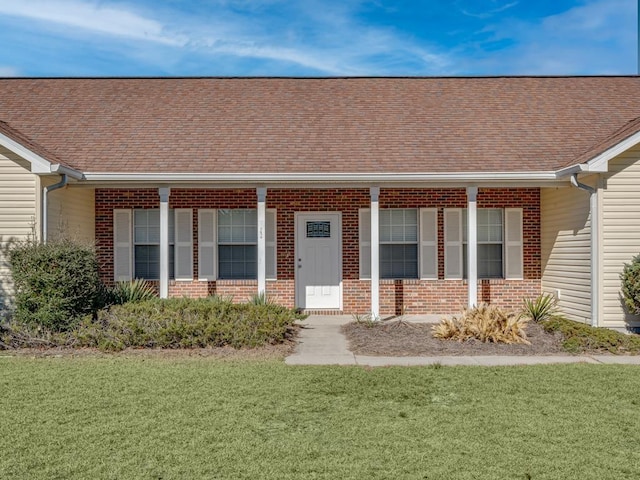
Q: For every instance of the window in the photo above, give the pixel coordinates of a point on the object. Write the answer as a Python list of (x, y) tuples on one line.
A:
[(227, 244), (136, 238), (399, 243), (408, 243), (500, 244), (146, 241), (490, 242), (237, 244)]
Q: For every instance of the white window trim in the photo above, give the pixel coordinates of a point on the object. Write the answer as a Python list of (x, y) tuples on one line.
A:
[(123, 246), (213, 245), (510, 243), (364, 243), (453, 243), (427, 244), (182, 243)]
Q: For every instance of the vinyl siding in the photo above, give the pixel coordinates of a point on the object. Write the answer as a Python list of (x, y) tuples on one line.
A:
[(18, 197), (71, 212), (620, 233), (566, 250)]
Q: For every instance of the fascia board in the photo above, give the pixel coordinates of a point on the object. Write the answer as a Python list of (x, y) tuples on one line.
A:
[(600, 162), (476, 177), (38, 164)]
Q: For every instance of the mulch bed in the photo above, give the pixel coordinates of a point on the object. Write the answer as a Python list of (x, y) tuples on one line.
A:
[(398, 338)]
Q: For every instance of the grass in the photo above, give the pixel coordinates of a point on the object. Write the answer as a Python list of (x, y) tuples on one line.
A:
[(115, 417)]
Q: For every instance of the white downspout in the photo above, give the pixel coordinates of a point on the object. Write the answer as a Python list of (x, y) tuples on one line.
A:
[(595, 228), (45, 205)]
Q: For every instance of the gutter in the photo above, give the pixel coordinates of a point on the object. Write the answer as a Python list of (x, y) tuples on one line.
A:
[(318, 177), (62, 170), (595, 252), (45, 203)]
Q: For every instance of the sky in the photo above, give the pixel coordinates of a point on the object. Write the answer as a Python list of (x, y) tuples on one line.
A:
[(311, 38)]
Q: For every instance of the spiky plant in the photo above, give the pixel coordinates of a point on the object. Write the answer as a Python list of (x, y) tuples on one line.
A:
[(542, 308), (487, 323), (137, 290), (262, 299), (221, 299)]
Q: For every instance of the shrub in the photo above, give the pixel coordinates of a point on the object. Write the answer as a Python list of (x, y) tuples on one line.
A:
[(580, 337), (630, 278), (186, 323), (487, 323), (542, 308), (55, 283), (137, 290), (21, 335)]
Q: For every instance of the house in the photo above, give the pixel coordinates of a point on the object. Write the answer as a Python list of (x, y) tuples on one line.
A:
[(351, 195)]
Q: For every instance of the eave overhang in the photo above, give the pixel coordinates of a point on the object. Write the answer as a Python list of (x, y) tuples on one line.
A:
[(342, 179)]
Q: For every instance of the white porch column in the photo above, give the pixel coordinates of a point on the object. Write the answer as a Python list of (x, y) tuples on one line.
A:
[(375, 253), (164, 241), (262, 240), (472, 245)]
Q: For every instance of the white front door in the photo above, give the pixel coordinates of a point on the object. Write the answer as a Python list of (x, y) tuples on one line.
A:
[(318, 260)]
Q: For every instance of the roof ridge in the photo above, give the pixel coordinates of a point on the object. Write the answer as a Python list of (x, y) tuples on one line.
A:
[(343, 77)]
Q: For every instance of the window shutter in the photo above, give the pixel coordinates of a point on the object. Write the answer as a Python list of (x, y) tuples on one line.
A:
[(513, 244), (183, 248), (122, 246), (364, 225), (429, 243), (271, 241), (453, 243), (207, 238)]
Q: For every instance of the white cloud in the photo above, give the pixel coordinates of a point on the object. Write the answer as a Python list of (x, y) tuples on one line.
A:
[(598, 37), (91, 16), (309, 37), (490, 12), (6, 71)]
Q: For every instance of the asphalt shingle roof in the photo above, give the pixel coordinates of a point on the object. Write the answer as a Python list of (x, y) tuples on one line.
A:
[(311, 125)]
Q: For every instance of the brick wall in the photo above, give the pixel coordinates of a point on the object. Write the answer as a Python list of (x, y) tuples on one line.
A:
[(411, 296)]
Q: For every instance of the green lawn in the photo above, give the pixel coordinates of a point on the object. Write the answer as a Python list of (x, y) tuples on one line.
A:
[(154, 418)]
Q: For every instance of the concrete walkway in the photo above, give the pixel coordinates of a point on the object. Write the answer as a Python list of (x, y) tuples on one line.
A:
[(321, 343)]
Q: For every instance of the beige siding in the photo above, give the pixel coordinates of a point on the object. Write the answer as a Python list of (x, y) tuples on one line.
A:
[(18, 199), (71, 212), (620, 232), (566, 250)]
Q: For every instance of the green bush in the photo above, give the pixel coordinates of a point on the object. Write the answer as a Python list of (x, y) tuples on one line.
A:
[(581, 338), (55, 283), (631, 285), (186, 323)]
